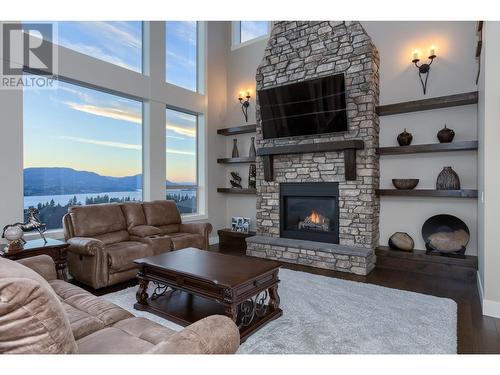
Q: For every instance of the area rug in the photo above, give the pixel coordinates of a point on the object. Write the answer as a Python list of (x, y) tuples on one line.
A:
[(324, 315)]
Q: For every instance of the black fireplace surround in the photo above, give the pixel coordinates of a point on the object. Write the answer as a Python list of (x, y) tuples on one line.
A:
[(310, 211)]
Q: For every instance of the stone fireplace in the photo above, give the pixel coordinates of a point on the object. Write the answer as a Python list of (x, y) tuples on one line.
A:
[(309, 212)]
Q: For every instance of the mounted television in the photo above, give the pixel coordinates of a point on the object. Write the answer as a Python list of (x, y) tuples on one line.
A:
[(310, 107)]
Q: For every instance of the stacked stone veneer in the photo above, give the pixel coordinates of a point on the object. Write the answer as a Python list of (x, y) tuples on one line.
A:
[(298, 51)]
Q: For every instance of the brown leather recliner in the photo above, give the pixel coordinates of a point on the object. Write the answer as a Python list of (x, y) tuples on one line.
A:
[(42, 315), (105, 239)]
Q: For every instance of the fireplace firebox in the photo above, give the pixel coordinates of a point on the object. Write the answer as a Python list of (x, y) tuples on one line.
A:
[(309, 211)]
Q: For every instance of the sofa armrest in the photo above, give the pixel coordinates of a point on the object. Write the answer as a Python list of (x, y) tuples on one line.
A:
[(42, 264), (85, 245), (196, 228), (216, 334)]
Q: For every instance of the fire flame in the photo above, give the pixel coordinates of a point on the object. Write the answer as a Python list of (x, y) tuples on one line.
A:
[(316, 218)]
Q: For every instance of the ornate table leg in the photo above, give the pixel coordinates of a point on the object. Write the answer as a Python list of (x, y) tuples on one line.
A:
[(232, 312), (274, 298), (142, 292)]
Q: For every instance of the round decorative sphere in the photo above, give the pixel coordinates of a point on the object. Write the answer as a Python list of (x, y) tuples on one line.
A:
[(13, 233)]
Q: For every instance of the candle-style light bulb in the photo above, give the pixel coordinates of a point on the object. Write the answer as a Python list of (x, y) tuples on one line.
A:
[(415, 55), (433, 51), (240, 97), (248, 93)]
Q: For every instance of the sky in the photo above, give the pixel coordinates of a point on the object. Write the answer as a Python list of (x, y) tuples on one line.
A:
[(253, 29), (94, 131)]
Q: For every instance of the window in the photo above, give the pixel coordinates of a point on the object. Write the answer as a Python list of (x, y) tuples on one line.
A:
[(81, 146), (182, 166), (181, 54), (118, 43), (244, 31)]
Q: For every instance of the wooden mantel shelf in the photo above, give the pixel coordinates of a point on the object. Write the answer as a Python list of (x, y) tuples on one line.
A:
[(349, 147)]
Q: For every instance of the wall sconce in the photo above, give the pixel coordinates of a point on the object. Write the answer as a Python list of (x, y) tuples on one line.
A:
[(245, 104), (423, 69)]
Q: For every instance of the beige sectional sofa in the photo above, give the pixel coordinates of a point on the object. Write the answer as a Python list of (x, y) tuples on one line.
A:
[(105, 239), (40, 314)]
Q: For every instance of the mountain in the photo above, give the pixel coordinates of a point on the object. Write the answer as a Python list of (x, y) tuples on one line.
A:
[(62, 181), (58, 181)]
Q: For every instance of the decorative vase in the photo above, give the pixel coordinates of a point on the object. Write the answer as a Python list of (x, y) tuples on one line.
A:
[(252, 153), (445, 135), (405, 138), (235, 180), (236, 153), (448, 180), (252, 176)]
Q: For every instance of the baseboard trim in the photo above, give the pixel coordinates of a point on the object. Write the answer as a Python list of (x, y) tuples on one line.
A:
[(213, 240), (489, 307)]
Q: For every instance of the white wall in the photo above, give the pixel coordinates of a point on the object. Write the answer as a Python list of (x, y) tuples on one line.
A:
[(489, 181), (241, 68), (452, 72)]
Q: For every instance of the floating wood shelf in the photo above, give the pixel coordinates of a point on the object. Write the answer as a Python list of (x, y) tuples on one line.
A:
[(431, 264), (244, 129), (236, 160), (236, 191), (349, 148), (464, 193), (427, 104), (432, 147)]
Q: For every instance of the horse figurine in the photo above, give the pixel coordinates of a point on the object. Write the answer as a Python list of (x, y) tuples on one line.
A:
[(33, 223)]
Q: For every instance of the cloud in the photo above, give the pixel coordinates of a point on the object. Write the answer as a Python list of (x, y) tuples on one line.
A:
[(97, 142), (127, 114), (121, 145), (109, 112), (116, 31), (184, 30)]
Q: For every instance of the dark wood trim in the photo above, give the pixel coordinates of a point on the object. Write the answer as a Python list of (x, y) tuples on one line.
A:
[(237, 191), (312, 147), (427, 104), (464, 193), (431, 147), (245, 159), (244, 129), (429, 264), (349, 147)]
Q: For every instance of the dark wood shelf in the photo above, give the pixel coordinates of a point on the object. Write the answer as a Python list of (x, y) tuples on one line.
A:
[(463, 193), (236, 160), (427, 104), (431, 147), (244, 129), (236, 191), (432, 264)]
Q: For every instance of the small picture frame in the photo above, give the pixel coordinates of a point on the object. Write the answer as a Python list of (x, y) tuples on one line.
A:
[(240, 224)]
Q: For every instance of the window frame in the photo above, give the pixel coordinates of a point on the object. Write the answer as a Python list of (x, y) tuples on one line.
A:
[(197, 166), (236, 35), (149, 87)]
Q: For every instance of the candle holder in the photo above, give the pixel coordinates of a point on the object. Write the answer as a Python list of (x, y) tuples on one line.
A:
[(245, 104), (423, 69)]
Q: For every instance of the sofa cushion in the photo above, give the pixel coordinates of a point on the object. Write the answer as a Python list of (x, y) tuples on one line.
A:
[(122, 255), (134, 214), (32, 319), (130, 336), (183, 240), (86, 312), (113, 237), (144, 231), (93, 220), (167, 229), (160, 213)]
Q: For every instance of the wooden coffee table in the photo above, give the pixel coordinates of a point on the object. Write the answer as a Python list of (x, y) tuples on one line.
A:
[(191, 284)]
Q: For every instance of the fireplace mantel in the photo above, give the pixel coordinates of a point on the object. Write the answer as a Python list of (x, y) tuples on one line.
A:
[(349, 147)]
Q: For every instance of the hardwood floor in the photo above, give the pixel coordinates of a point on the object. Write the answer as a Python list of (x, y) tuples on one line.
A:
[(476, 333)]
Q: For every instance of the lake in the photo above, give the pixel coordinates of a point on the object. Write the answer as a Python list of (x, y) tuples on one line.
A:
[(65, 198)]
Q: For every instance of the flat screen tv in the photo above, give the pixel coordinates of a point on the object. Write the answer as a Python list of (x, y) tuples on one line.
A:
[(309, 107)]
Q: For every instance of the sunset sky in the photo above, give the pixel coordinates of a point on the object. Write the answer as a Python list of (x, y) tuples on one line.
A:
[(94, 131)]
